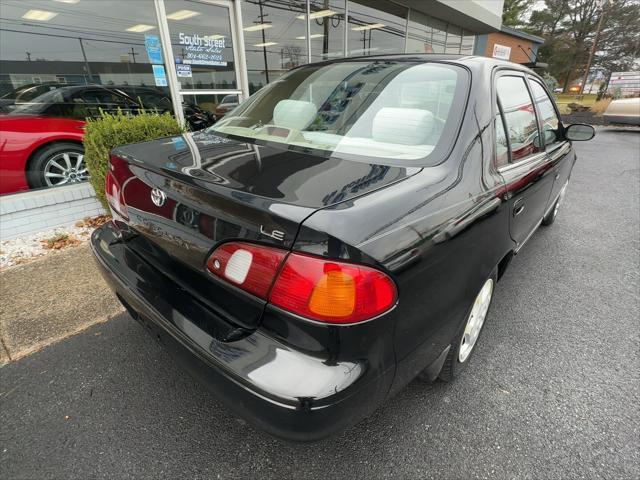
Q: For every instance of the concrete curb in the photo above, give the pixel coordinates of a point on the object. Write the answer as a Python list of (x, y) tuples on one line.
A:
[(49, 299)]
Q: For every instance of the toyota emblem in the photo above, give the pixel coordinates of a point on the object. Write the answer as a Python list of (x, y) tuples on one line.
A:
[(158, 197)]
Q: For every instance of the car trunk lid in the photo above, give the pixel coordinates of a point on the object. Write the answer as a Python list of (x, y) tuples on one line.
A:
[(186, 194)]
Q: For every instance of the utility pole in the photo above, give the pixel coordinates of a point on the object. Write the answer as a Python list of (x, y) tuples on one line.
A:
[(325, 31), (86, 63), (133, 54), (602, 3), (264, 40)]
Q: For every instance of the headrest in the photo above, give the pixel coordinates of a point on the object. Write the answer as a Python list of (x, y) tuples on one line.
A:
[(406, 126), (295, 114)]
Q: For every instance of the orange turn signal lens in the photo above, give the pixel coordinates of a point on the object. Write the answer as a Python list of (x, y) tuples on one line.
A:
[(334, 295)]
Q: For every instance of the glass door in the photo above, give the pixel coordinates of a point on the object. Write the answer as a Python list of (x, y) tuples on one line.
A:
[(205, 59)]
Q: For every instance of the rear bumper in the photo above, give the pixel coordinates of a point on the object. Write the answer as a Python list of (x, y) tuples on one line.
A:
[(286, 392)]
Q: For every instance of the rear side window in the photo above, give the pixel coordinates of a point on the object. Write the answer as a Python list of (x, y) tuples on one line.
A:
[(520, 117), (550, 120)]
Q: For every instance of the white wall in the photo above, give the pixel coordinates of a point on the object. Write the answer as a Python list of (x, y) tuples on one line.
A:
[(32, 212)]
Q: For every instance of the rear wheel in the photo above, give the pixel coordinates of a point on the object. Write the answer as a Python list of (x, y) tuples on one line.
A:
[(463, 345), (57, 164), (550, 217)]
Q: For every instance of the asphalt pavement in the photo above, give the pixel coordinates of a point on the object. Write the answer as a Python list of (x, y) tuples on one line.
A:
[(553, 390)]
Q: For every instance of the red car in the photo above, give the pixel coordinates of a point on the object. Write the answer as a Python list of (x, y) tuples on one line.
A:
[(38, 151)]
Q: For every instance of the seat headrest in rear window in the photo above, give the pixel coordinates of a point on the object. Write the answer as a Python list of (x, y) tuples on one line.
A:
[(405, 126), (295, 114)]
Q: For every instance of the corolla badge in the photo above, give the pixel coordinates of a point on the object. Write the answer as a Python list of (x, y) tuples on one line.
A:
[(158, 197)]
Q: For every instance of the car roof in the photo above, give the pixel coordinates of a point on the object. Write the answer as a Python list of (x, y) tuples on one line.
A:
[(473, 62)]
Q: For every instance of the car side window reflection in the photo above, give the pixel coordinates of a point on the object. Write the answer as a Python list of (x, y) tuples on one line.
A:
[(520, 117), (550, 120)]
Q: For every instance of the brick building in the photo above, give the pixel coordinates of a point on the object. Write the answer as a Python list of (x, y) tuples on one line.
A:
[(509, 44)]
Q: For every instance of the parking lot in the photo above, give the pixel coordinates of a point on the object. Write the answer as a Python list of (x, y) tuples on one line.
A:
[(553, 390)]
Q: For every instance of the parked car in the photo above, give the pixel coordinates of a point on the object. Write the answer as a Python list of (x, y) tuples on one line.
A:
[(78, 102), (26, 93), (339, 234), (228, 103), (36, 134), (625, 111), (37, 151), (85, 101)]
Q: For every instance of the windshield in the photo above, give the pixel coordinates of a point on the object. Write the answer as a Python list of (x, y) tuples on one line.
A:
[(391, 109)]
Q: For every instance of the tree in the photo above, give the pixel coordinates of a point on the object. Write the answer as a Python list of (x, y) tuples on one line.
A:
[(569, 29), (514, 12)]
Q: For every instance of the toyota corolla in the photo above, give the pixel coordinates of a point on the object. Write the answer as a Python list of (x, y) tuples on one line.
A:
[(339, 233)]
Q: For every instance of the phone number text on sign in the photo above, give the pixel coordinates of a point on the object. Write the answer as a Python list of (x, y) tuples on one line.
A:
[(203, 50)]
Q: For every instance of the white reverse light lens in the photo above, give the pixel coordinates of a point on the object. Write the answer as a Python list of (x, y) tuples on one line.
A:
[(238, 266)]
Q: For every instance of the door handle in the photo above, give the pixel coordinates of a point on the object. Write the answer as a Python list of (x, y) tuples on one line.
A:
[(518, 209), (557, 176)]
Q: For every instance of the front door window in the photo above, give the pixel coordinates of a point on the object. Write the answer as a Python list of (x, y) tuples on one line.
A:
[(520, 117)]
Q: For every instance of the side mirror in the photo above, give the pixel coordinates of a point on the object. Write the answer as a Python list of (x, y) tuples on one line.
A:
[(579, 132)]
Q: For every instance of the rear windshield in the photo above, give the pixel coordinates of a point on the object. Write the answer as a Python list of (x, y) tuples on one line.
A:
[(400, 111)]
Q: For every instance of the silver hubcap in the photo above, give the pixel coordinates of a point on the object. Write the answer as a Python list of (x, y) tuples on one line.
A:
[(476, 320), (66, 167), (560, 197)]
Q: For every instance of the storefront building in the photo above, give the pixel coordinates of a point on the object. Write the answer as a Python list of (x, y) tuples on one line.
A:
[(194, 58)]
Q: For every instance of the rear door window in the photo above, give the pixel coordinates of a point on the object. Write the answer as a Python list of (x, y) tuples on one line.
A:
[(502, 144)]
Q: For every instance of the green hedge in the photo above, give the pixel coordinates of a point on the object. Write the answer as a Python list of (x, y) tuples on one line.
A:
[(112, 130)]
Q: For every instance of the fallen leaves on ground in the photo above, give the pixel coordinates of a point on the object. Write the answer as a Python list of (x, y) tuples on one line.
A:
[(93, 221), (60, 241)]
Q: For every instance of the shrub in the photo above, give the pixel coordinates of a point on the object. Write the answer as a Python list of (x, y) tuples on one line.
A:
[(112, 130)]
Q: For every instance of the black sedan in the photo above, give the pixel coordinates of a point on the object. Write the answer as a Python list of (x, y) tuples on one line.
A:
[(87, 101), (338, 234)]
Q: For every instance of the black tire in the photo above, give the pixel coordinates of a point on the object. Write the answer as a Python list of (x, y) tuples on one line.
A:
[(452, 365), (36, 166), (550, 217)]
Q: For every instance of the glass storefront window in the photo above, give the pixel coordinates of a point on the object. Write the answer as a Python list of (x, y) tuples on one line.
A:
[(468, 40), (65, 61), (202, 44), (419, 34), (438, 34), (454, 38), (327, 29), (202, 110), (376, 27), (274, 39)]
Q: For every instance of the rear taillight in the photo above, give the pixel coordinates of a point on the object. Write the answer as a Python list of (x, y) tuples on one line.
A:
[(117, 175), (115, 198), (312, 287), (250, 267)]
